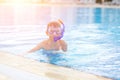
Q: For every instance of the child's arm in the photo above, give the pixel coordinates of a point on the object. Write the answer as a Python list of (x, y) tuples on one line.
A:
[(39, 46), (63, 45)]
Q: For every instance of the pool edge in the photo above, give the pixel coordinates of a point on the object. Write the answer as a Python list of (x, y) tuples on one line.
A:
[(44, 69)]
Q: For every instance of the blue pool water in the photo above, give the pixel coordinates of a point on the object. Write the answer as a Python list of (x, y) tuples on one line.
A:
[(92, 35)]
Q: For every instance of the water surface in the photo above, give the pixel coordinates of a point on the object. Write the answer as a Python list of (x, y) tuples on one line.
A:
[(92, 35)]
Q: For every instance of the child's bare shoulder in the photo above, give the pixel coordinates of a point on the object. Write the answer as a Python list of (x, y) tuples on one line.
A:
[(44, 42)]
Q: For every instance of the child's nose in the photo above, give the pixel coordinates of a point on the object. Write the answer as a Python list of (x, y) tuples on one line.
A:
[(54, 33)]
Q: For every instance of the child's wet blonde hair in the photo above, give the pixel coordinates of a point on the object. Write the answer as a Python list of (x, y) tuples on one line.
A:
[(53, 24)]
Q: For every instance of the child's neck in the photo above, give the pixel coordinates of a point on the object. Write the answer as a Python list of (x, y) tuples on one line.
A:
[(51, 40)]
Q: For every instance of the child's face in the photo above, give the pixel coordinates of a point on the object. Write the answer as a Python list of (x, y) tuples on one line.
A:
[(54, 31)]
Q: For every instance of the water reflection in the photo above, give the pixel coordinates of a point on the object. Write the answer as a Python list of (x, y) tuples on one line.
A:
[(37, 15)]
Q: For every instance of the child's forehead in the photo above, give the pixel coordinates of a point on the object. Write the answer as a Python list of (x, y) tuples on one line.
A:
[(54, 28)]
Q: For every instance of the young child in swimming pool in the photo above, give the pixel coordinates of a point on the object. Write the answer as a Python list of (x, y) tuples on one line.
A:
[(55, 31)]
